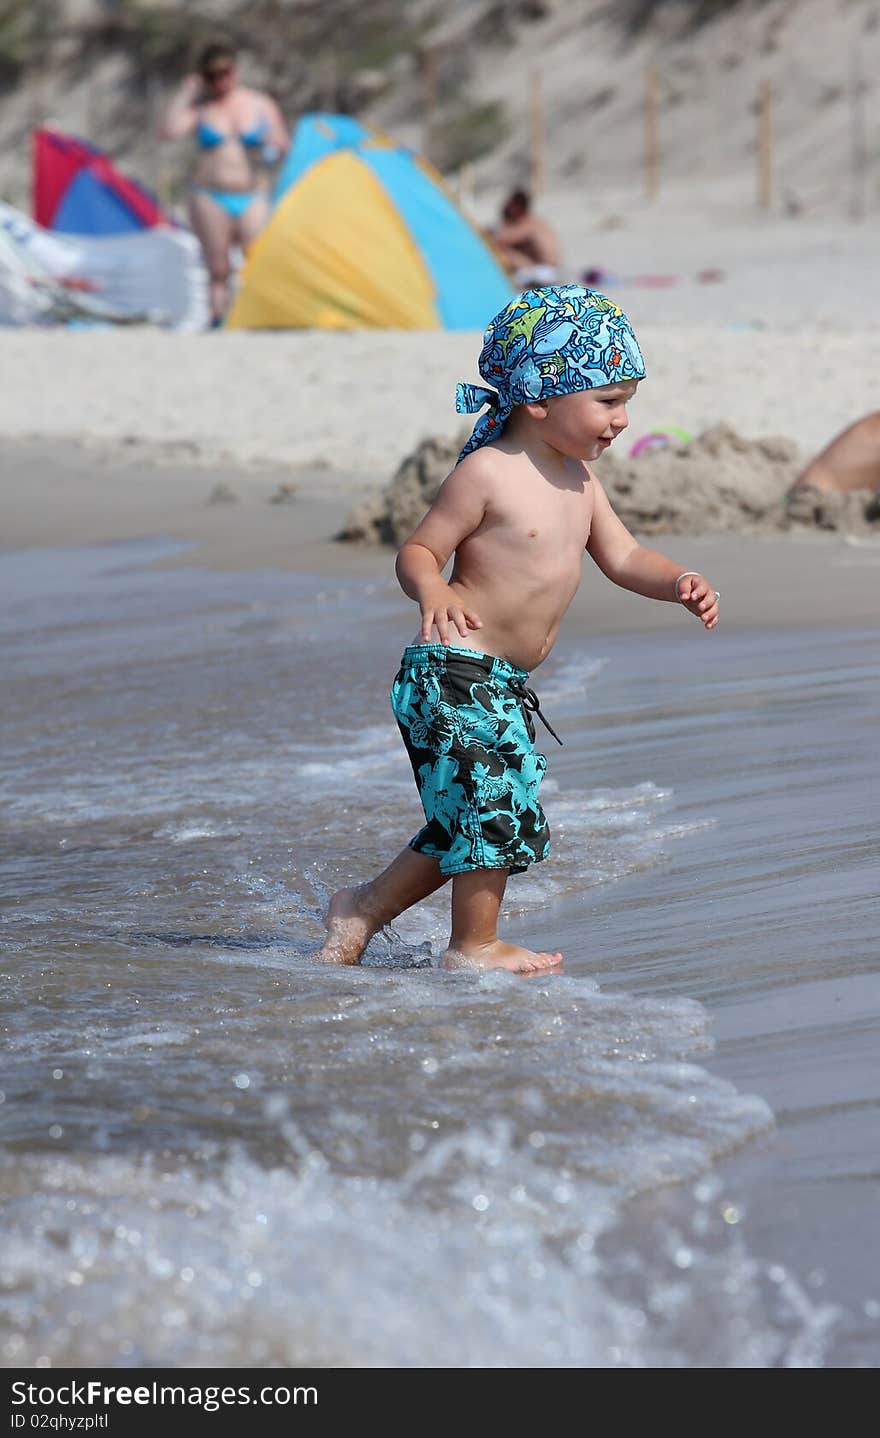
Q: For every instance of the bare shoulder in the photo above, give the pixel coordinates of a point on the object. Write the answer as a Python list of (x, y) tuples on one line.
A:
[(496, 464), (597, 488), (457, 509), (467, 495), (479, 471)]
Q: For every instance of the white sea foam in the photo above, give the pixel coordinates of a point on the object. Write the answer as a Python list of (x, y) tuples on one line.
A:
[(567, 680), (122, 1261), (186, 832)]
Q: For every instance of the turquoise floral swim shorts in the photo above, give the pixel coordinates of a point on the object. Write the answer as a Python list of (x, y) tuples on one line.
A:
[(466, 721)]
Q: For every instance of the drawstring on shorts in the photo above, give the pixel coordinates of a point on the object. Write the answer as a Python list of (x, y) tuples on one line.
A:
[(529, 700)]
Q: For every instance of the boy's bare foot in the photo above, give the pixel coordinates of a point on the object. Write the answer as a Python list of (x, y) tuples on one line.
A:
[(349, 929), (500, 956)]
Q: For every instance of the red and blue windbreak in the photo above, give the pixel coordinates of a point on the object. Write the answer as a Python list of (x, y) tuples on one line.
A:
[(78, 190)]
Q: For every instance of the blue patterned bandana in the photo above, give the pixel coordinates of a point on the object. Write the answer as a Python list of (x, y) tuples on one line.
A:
[(548, 341)]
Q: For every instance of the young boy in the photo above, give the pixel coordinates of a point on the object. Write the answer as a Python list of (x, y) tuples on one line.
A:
[(517, 513)]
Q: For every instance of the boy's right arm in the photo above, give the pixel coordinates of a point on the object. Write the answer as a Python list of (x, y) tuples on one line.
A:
[(456, 512)]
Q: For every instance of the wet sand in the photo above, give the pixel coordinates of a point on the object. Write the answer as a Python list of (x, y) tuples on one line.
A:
[(57, 494)]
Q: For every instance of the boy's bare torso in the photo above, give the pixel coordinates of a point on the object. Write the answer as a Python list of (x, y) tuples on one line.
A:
[(520, 568)]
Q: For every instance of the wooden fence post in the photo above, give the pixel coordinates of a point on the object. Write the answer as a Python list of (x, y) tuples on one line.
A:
[(858, 138), (536, 146), (429, 99), (765, 145)]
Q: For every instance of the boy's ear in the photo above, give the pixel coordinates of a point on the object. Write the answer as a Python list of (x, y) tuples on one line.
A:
[(537, 408)]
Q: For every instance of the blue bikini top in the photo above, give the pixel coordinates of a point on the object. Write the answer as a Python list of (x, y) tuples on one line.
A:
[(209, 138)]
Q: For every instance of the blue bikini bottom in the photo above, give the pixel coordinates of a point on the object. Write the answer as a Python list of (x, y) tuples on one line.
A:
[(234, 202)]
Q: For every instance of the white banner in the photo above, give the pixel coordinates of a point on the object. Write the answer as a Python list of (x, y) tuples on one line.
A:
[(153, 275)]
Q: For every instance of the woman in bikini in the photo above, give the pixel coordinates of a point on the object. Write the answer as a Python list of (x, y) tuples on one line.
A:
[(236, 129)]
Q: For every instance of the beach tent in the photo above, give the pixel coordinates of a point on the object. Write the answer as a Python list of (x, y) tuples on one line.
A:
[(78, 190), (363, 235)]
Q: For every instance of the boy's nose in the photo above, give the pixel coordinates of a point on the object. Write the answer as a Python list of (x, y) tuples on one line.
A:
[(619, 419)]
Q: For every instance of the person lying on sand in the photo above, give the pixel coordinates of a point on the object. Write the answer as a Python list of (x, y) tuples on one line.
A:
[(517, 512), (529, 248), (850, 461)]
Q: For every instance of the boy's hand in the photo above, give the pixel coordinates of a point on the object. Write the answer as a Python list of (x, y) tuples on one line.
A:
[(443, 608), (697, 595)]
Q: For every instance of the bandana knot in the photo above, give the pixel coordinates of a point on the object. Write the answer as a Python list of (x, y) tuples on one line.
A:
[(469, 398)]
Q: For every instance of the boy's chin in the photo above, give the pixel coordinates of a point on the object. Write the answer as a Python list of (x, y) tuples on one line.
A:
[(585, 451)]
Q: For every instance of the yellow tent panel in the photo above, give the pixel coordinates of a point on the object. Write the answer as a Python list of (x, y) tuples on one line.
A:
[(335, 255)]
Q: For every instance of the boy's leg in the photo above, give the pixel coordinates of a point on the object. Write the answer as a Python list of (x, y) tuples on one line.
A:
[(355, 915), (476, 900)]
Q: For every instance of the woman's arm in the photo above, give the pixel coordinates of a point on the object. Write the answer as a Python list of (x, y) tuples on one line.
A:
[(278, 136), (181, 115)]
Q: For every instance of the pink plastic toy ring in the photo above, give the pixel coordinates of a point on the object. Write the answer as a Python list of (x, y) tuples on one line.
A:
[(659, 438)]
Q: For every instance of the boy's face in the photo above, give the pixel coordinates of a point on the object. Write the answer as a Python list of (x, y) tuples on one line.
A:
[(583, 425)]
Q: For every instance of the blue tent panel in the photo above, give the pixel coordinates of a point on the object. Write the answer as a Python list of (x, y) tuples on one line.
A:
[(471, 286), (89, 207), (316, 136)]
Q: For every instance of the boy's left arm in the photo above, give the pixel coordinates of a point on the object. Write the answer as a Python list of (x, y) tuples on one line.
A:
[(645, 571)]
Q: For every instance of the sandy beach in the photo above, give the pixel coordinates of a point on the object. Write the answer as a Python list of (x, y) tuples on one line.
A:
[(356, 404), (784, 344)]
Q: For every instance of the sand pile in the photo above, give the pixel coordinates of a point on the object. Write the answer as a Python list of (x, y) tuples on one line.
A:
[(391, 514), (720, 483)]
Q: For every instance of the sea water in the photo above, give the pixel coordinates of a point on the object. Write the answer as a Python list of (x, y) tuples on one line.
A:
[(218, 1151)]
